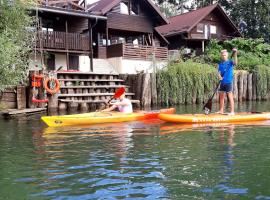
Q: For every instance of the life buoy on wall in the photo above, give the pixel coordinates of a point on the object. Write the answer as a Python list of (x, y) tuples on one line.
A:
[(51, 85)]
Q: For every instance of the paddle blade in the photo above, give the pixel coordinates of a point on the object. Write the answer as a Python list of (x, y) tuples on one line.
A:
[(119, 92), (208, 107)]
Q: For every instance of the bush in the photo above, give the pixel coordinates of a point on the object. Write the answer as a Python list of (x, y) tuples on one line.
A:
[(252, 52), (185, 82), (15, 42)]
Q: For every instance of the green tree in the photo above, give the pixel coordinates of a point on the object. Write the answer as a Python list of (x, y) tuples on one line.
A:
[(172, 7), (15, 42), (255, 14)]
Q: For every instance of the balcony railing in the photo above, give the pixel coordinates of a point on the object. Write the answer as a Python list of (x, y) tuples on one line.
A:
[(138, 52), (62, 41)]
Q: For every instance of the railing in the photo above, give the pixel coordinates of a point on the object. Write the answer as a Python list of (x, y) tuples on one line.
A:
[(62, 40), (138, 52)]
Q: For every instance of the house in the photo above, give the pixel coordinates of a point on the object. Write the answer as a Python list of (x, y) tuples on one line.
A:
[(63, 35), (109, 35), (194, 28)]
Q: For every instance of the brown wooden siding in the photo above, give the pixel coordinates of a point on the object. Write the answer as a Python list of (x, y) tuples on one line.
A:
[(115, 50), (212, 19), (61, 40), (77, 26), (138, 52), (129, 23), (102, 52)]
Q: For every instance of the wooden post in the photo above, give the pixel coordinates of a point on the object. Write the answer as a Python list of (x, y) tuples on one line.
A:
[(90, 44), (245, 82), (203, 46), (67, 41), (21, 97), (146, 90), (254, 89), (154, 89), (240, 86), (249, 87), (235, 88)]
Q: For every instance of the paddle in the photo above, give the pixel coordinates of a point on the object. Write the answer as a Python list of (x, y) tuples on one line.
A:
[(208, 106), (117, 94)]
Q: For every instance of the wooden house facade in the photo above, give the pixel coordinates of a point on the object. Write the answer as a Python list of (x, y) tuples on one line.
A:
[(71, 32), (193, 29), (64, 31), (130, 29)]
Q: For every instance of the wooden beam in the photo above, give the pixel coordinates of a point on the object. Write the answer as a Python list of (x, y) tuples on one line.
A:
[(67, 54), (90, 44)]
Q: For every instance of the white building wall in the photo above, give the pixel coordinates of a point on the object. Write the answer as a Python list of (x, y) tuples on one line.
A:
[(84, 63), (128, 66), (60, 61)]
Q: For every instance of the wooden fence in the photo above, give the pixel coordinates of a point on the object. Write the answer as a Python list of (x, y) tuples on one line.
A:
[(62, 40), (138, 52), (245, 88)]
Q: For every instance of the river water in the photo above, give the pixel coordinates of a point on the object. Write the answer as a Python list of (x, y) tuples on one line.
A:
[(137, 160)]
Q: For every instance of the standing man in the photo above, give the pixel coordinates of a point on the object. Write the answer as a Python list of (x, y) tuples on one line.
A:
[(225, 69)]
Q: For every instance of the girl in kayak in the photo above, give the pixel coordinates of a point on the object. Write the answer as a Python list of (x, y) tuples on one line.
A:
[(225, 69), (124, 105)]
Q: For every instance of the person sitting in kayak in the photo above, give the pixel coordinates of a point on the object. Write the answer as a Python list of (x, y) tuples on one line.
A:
[(124, 105), (225, 69)]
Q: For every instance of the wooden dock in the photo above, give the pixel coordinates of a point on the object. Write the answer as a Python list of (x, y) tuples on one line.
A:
[(16, 112)]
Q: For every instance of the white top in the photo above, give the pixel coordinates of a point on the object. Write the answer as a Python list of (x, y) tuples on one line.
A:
[(127, 108)]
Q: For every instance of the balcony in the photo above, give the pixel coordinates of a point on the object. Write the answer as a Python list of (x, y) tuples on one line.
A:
[(138, 52), (63, 42)]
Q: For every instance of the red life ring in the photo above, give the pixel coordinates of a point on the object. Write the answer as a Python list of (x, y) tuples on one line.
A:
[(34, 100), (51, 85)]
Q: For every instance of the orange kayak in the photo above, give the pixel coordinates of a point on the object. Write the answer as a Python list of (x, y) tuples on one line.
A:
[(102, 117), (214, 118)]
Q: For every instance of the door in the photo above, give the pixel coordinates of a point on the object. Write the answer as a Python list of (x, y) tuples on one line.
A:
[(73, 62)]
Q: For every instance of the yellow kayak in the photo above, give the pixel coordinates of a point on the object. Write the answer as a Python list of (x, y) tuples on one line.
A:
[(214, 118), (102, 117)]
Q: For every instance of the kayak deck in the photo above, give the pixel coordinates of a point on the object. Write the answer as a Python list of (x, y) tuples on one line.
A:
[(214, 118), (102, 117)]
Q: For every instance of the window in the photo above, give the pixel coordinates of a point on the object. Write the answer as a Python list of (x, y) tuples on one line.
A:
[(51, 62), (213, 29), (200, 28)]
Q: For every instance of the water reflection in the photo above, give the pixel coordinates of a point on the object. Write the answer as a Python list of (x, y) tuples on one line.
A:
[(110, 164), (227, 170)]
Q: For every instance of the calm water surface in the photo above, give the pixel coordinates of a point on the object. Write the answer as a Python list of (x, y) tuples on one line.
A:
[(138, 160)]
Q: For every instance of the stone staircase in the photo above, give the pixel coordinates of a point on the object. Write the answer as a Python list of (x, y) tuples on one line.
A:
[(89, 90)]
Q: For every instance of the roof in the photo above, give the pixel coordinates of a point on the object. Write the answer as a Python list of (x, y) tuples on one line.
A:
[(51, 9), (103, 6), (185, 22)]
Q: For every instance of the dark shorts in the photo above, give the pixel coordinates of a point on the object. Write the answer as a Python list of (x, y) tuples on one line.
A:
[(226, 87)]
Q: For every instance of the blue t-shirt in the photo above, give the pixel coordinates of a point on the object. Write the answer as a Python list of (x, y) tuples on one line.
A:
[(225, 69)]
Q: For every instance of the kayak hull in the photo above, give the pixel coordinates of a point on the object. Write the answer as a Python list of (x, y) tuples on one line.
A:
[(214, 118), (102, 117)]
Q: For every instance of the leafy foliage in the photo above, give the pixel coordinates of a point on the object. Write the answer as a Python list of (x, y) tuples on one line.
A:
[(185, 82), (252, 52), (14, 42)]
